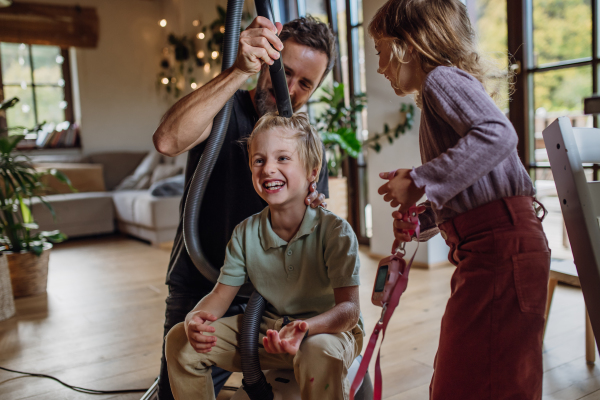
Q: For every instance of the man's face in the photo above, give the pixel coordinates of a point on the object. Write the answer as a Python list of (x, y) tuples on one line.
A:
[(304, 68)]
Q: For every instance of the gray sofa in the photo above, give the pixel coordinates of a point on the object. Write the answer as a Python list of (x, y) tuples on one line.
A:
[(134, 212)]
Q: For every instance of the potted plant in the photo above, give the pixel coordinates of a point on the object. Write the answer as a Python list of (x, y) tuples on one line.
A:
[(27, 252), (337, 126)]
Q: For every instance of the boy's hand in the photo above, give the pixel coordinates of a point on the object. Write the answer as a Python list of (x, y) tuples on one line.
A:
[(195, 325), (315, 199), (400, 190), (400, 227), (287, 340)]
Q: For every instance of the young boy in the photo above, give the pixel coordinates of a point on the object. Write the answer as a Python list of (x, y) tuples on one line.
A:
[(303, 261)]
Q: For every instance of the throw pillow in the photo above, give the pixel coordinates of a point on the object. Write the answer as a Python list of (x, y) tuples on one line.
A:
[(164, 171), (140, 179), (172, 186)]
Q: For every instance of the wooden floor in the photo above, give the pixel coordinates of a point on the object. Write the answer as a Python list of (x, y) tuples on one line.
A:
[(100, 326)]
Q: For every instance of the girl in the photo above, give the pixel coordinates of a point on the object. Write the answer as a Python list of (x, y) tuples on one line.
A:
[(479, 196)]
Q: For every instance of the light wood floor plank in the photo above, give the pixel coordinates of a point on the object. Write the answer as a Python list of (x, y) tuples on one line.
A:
[(100, 326)]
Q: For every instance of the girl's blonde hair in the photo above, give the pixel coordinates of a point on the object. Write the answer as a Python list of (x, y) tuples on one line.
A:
[(440, 33), (309, 144)]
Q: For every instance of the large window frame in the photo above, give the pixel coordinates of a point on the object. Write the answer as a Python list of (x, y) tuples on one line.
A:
[(521, 108), (67, 87)]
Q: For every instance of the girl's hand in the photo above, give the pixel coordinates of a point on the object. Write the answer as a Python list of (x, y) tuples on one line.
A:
[(400, 227), (315, 199), (287, 340), (400, 190)]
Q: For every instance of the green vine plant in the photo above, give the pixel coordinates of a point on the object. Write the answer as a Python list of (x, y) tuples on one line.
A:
[(20, 182), (184, 55), (390, 134)]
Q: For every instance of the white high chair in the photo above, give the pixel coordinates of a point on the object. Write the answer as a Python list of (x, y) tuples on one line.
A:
[(568, 148)]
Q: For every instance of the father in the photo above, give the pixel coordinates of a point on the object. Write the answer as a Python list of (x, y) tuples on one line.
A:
[(308, 56)]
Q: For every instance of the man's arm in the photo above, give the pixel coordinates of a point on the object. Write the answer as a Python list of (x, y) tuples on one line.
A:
[(212, 307), (189, 122)]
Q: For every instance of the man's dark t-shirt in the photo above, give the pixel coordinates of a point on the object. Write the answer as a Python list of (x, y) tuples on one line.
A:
[(229, 199)]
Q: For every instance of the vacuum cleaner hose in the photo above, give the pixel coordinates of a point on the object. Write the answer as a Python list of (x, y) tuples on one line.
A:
[(255, 383), (191, 213)]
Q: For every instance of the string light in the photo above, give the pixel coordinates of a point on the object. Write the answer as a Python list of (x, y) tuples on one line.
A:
[(195, 22), (207, 67), (60, 59), (200, 35), (194, 85), (165, 81), (62, 104), (214, 55), (163, 22), (200, 54), (222, 29)]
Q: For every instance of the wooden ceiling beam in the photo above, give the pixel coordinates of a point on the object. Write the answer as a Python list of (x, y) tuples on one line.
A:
[(55, 25)]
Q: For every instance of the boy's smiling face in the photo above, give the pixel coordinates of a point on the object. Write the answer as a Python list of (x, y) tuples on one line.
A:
[(278, 173)]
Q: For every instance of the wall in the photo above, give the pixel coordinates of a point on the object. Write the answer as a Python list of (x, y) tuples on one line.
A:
[(383, 107), (119, 107)]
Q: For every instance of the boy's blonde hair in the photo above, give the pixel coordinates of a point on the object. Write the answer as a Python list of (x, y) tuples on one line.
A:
[(440, 33), (309, 144)]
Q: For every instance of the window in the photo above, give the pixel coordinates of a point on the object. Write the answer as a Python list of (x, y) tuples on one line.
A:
[(555, 48), (39, 76)]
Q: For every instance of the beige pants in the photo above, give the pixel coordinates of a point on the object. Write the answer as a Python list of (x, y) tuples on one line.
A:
[(320, 366)]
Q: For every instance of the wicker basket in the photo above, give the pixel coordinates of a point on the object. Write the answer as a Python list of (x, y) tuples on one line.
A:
[(28, 272), (7, 302)]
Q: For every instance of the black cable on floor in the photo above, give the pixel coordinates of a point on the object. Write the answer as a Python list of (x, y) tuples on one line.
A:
[(76, 388)]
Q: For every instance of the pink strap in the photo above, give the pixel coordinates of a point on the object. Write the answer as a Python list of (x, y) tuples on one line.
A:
[(381, 326)]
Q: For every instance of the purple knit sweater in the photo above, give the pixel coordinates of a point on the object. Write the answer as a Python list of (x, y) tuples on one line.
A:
[(468, 148)]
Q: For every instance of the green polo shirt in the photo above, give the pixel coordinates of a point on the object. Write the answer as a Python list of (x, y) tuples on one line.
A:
[(296, 278)]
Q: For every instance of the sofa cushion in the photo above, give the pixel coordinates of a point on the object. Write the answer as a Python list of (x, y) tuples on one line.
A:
[(77, 214), (139, 207), (117, 165), (83, 177)]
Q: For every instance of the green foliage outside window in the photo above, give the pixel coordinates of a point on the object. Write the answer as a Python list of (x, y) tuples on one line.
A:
[(562, 30)]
